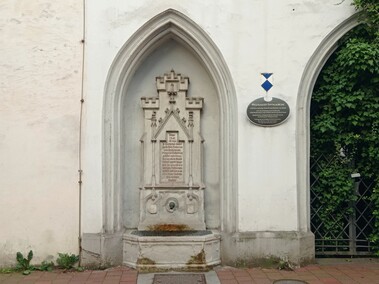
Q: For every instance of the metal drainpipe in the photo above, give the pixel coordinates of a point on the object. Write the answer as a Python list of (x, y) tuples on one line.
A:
[(80, 171)]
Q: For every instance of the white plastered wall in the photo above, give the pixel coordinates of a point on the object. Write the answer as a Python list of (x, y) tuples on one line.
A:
[(254, 37), (40, 69), (40, 89)]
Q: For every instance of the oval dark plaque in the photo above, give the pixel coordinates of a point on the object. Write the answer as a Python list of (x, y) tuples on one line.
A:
[(268, 113)]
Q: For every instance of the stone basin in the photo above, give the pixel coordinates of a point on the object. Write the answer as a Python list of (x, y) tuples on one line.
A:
[(146, 250)]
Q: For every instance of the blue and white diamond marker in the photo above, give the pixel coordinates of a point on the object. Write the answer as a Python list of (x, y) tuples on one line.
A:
[(267, 85), (266, 75)]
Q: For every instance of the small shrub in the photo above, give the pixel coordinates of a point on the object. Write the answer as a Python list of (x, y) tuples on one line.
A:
[(24, 263), (45, 266), (67, 261), (7, 270), (285, 264)]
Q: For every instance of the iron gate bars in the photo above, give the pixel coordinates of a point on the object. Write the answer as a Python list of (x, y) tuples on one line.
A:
[(351, 230)]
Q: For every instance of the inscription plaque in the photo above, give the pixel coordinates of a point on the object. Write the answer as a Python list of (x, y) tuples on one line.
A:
[(172, 159), (268, 113)]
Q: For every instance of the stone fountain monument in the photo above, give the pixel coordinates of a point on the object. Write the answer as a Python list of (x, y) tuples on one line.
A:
[(172, 231)]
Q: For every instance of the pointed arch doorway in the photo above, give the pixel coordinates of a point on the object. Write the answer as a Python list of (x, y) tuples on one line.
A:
[(168, 39), (308, 80)]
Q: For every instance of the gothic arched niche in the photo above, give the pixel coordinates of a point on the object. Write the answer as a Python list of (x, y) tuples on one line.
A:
[(170, 36), (169, 55)]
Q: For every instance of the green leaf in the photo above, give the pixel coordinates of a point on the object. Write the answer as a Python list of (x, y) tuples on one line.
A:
[(30, 255), (19, 257)]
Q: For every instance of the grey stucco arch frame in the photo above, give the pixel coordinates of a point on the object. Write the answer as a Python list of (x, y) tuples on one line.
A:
[(308, 80), (168, 24)]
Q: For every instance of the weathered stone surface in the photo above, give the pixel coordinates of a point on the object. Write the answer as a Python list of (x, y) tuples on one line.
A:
[(189, 251), (251, 247), (172, 191)]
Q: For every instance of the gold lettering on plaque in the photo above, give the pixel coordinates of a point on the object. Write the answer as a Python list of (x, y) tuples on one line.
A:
[(172, 159)]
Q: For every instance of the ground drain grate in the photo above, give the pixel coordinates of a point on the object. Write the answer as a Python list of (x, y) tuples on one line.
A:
[(179, 279), (289, 281)]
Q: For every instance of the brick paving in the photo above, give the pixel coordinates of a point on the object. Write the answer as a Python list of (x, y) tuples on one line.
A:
[(116, 275), (362, 273)]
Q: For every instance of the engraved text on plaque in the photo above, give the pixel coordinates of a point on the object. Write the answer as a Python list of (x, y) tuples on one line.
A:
[(172, 159)]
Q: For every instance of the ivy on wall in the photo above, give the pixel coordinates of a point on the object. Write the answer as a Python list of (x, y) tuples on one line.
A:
[(345, 121)]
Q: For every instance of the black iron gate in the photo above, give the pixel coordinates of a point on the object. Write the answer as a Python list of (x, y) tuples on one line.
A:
[(356, 224)]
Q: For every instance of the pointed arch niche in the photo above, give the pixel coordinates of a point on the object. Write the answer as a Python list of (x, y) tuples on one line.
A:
[(308, 80), (169, 40)]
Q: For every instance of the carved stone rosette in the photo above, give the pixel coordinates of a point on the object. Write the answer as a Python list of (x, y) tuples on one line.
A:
[(172, 189)]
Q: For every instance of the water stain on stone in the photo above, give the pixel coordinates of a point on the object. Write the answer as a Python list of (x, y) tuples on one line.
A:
[(169, 227), (197, 259)]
